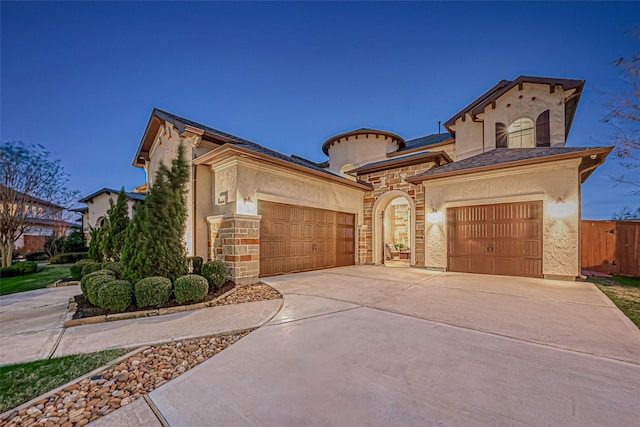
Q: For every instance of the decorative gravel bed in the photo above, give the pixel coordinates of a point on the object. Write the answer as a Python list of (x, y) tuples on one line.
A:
[(120, 384), (249, 293)]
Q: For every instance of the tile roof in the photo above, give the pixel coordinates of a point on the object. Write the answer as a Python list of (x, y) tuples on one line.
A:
[(241, 142), (423, 141), (412, 159), (132, 196), (501, 156)]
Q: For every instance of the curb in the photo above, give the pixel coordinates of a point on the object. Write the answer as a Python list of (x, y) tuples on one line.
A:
[(60, 283)]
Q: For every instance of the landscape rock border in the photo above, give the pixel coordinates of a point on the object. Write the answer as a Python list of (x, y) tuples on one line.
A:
[(118, 383), (71, 322)]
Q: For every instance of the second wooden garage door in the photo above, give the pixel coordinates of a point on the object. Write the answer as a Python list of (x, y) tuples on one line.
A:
[(294, 239), (496, 239)]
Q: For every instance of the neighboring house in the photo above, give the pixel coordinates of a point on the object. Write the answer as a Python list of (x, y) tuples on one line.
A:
[(42, 219), (499, 193), (98, 203)]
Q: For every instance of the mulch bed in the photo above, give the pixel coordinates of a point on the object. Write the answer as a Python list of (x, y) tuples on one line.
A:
[(86, 309)]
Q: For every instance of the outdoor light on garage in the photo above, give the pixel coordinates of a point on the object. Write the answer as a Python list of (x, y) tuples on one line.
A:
[(246, 205), (561, 208), (434, 216)]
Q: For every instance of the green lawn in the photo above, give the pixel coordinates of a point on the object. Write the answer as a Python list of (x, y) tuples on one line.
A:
[(25, 381), (624, 292), (48, 274)]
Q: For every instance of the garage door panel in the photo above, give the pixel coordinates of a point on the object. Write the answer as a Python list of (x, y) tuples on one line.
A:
[(294, 239), (496, 239)]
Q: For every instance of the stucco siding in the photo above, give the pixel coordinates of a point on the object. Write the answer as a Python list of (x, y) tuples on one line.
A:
[(550, 182), (529, 103), (469, 138), (360, 150)]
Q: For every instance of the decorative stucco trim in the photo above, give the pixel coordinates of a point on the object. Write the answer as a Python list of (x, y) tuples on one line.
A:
[(229, 150), (400, 142)]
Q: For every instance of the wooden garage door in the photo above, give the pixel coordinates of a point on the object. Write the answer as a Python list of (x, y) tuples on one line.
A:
[(496, 239), (294, 239)]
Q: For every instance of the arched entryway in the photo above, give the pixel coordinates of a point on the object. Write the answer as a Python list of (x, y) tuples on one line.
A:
[(394, 215)]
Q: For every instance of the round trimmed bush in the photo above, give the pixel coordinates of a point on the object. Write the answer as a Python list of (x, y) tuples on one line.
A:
[(152, 291), (87, 277), (114, 295), (190, 288), (90, 267), (116, 267), (214, 272), (94, 284)]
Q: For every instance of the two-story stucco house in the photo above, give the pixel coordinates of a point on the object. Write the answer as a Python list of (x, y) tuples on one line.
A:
[(498, 194), (99, 202)]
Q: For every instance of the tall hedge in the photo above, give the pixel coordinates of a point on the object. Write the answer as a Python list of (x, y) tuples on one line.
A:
[(154, 244), (118, 218)]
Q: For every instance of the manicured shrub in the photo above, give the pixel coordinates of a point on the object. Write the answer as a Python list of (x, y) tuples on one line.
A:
[(114, 295), (19, 269), (214, 272), (87, 277), (76, 269), (190, 288), (153, 291), (74, 242), (93, 286), (36, 256), (194, 264), (67, 258), (90, 267), (116, 267)]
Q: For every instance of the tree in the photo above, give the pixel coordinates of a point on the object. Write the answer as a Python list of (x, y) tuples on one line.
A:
[(626, 213), (118, 220), (95, 245), (74, 242), (29, 178), (624, 115), (154, 243)]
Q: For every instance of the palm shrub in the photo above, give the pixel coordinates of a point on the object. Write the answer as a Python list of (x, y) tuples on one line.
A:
[(214, 272), (190, 288), (152, 291), (154, 243), (114, 295), (87, 277)]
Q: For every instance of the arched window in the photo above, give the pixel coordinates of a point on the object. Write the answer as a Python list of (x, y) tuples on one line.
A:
[(521, 134)]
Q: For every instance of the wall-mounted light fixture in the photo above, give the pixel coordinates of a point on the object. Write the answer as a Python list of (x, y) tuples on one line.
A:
[(434, 216), (561, 208)]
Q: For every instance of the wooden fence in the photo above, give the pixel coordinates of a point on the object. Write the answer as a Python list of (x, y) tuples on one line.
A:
[(610, 247)]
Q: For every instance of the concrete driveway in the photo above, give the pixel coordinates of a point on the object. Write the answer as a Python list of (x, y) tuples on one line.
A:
[(388, 346)]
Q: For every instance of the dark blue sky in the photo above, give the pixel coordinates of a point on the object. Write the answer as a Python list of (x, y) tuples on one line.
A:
[(82, 78)]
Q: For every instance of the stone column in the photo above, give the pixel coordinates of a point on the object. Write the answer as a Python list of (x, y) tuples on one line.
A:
[(362, 244), (235, 240)]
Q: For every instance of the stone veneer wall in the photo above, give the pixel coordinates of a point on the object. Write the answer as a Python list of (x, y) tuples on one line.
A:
[(235, 240), (401, 224), (384, 181)]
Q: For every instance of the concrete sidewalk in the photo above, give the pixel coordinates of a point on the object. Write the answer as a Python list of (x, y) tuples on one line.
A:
[(31, 325)]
